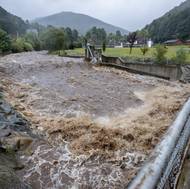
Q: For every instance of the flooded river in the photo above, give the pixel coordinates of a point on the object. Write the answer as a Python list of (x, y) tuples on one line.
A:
[(97, 125)]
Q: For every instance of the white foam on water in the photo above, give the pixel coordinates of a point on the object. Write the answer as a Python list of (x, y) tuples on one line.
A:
[(83, 170)]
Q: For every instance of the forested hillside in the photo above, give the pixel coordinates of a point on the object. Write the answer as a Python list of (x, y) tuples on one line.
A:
[(82, 23), (11, 24), (174, 24)]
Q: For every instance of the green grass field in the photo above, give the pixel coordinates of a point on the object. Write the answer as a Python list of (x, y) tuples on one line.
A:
[(136, 53)]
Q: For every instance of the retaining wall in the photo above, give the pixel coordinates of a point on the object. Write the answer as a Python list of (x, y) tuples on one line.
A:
[(170, 72)]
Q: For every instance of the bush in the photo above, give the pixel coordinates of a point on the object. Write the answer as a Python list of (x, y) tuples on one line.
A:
[(27, 47), (181, 56), (5, 42), (19, 45), (144, 50), (160, 54)]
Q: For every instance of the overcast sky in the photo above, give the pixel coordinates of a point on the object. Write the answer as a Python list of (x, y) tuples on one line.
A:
[(129, 14)]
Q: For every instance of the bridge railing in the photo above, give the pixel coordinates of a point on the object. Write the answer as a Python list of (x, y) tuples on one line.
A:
[(162, 169)]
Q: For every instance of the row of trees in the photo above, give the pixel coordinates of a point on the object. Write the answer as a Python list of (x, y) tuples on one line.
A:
[(98, 36), (49, 38), (53, 39)]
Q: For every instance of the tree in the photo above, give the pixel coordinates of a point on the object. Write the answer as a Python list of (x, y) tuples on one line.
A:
[(96, 36), (144, 50), (34, 40), (118, 36), (5, 42), (143, 36), (131, 38), (69, 38), (75, 35), (53, 39), (118, 33), (104, 46), (160, 53)]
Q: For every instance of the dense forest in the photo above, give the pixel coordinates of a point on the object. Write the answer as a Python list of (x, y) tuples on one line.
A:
[(174, 24), (11, 24)]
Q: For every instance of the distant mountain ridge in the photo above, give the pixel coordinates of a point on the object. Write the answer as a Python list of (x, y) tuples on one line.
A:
[(11, 23), (80, 22), (174, 24)]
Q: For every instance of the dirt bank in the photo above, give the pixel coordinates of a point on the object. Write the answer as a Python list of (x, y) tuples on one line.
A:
[(106, 117)]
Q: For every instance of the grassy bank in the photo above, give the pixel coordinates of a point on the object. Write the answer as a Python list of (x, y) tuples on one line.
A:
[(136, 53)]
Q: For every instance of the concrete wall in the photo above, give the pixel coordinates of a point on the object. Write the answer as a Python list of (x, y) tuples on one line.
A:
[(185, 73), (171, 72)]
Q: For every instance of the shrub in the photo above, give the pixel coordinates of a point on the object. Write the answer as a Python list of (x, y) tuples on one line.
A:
[(27, 47), (20, 45), (17, 46), (181, 56), (144, 50), (160, 54)]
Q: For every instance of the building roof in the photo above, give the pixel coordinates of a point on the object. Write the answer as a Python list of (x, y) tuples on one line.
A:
[(172, 41)]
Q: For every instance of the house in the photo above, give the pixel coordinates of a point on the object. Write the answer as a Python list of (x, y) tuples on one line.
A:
[(187, 42), (173, 42), (119, 46), (149, 43)]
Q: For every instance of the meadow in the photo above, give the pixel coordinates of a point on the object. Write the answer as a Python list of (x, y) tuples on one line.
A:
[(136, 52)]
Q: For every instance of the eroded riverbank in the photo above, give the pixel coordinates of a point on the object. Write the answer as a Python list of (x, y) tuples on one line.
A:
[(101, 123)]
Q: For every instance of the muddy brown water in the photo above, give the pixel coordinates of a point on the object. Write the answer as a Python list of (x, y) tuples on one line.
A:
[(91, 111)]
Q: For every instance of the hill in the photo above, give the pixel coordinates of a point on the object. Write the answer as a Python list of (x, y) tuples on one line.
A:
[(11, 23), (80, 22), (174, 24)]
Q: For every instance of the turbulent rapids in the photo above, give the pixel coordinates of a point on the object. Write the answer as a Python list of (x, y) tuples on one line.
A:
[(97, 125)]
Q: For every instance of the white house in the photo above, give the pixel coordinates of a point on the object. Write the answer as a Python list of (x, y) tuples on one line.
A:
[(149, 43), (120, 46)]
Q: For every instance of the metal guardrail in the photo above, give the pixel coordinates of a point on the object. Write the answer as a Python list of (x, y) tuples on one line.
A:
[(162, 169)]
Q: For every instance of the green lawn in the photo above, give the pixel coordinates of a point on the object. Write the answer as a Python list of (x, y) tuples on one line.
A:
[(136, 53), (76, 52)]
